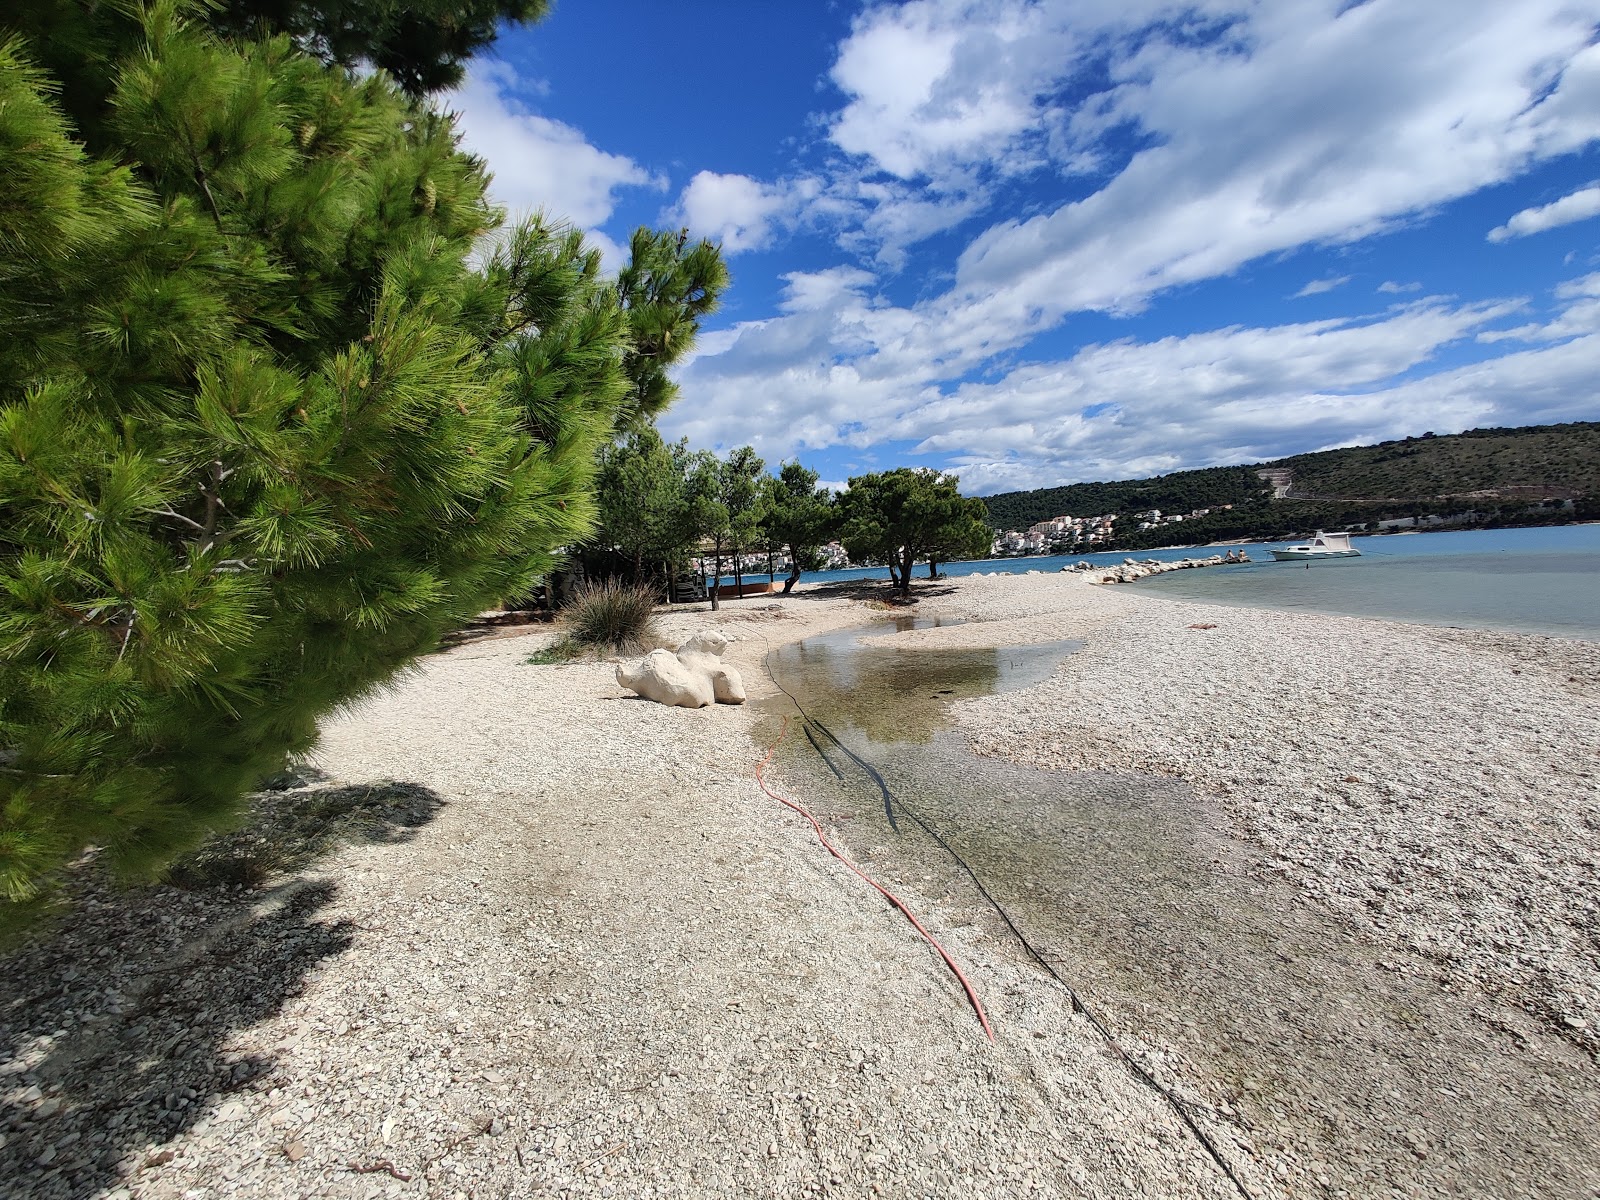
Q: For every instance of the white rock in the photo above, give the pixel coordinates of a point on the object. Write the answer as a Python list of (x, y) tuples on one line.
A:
[(692, 678)]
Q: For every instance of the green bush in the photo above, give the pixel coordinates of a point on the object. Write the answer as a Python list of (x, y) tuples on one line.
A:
[(269, 427), (613, 616)]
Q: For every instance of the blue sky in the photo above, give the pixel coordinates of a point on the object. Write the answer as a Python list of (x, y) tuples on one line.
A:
[(1042, 241)]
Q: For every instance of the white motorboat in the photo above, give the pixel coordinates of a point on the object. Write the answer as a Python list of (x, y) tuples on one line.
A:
[(1324, 545)]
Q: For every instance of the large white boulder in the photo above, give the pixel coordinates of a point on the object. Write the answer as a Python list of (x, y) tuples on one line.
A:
[(692, 678)]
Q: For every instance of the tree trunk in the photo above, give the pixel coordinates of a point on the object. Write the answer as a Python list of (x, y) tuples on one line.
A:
[(794, 572), (716, 581), (907, 561), (933, 569), (738, 575)]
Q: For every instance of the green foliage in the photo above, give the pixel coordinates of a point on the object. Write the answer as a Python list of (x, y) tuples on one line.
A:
[(422, 43), (724, 500), (1532, 461), (960, 529), (612, 616), (798, 517), (902, 516), (1498, 473), (641, 490), (666, 287), (265, 436), (564, 650), (1181, 491)]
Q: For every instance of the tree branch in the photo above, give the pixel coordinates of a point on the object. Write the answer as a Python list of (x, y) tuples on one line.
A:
[(178, 516)]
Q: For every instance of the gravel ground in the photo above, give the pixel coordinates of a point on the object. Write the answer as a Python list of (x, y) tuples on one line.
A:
[(1402, 960), (536, 937), (1438, 787), (542, 938)]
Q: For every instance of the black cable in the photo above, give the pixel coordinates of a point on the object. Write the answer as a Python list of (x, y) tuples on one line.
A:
[(821, 753), (888, 796), (1078, 1005)]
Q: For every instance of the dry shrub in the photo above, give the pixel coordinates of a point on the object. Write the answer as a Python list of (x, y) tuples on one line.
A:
[(612, 616)]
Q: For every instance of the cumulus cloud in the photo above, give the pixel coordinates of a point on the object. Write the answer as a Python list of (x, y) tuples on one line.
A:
[(1317, 286), (539, 163), (1299, 129), (740, 212), (1579, 315), (936, 83), (1587, 285), (1577, 206), (1227, 133), (1130, 408), (809, 291), (1226, 395), (850, 373), (1221, 136)]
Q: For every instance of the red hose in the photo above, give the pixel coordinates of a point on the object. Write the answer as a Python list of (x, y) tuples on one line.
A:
[(972, 995)]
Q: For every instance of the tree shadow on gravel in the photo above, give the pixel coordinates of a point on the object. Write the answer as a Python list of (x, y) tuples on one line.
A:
[(114, 1023), (874, 589)]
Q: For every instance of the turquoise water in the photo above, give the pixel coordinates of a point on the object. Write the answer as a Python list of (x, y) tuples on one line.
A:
[(1521, 580)]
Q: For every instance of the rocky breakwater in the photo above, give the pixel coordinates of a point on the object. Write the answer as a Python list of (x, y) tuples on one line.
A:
[(1132, 569)]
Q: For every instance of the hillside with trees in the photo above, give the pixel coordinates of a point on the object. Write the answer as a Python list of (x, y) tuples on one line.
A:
[(1182, 491), (1542, 461), (1520, 476)]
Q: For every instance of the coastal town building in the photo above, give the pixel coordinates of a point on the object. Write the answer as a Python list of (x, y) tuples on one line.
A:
[(1061, 534)]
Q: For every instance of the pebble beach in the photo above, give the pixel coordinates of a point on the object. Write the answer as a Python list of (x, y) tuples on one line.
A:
[(573, 948)]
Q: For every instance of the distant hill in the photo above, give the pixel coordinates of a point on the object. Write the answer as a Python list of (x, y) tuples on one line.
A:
[(1501, 476), (1548, 460)]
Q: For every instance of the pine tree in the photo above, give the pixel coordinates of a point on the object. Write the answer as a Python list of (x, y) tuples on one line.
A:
[(265, 436), (910, 513), (668, 284), (797, 517), (645, 521)]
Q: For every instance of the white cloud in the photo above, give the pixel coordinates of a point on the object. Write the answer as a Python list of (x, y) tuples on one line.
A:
[(1130, 408), (740, 212), (1309, 124), (933, 83), (538, 163), (1587, 285), (1226, 395), (1302, 128), (886, 218), (1317, 286), (1578, 206), (1579, 316), (809, 291)]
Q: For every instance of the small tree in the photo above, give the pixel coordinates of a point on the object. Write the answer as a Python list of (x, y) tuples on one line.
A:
[(960, 529), (900, 516), (644, 511), (741, 483), (797, 517), (725, 507), (708, 514)]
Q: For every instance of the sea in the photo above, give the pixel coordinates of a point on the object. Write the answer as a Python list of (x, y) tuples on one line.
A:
[(1544, 580)]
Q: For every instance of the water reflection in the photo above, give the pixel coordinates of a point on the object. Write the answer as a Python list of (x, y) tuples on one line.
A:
[(885, 695), (1359, 1060)]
